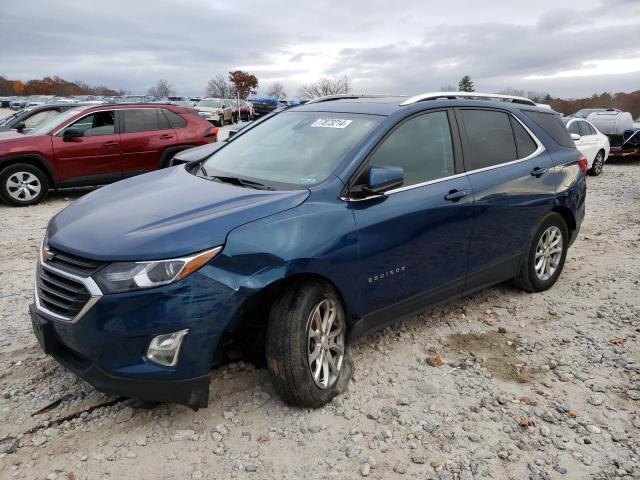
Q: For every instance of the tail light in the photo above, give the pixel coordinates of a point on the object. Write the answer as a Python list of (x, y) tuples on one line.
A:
[(212, 132), (582, 163)]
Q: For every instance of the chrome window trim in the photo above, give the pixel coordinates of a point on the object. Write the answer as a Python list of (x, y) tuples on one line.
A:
[(88, 282), (540, 149)]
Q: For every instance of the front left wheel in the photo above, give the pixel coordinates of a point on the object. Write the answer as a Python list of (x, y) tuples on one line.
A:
[(306, 345), (23, 185)]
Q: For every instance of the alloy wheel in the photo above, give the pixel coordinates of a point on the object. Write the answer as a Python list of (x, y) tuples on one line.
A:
[(598, 164), (23, 186), (548, 253), (325, 343)]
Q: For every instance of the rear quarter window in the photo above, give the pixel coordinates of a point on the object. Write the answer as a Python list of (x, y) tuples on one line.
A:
[(552, 124), (175, 120)]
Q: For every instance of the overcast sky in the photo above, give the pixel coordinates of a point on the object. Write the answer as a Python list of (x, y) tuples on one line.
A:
[(567, 48)]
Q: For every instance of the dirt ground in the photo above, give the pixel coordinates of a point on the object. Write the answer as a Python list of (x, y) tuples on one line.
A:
[(542, 386)]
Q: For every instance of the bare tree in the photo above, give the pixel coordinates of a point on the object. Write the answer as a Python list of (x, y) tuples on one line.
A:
[(161, 89), (326, 86), (220, 87), (276, 90)]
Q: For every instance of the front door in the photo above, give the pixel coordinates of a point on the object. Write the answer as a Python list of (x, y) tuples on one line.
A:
[(93, 158), (413, 241), (513, 187)]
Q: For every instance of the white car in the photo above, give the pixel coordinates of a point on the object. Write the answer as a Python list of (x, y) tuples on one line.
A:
[(592, 143)]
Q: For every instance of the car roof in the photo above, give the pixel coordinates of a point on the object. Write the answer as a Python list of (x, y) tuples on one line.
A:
[(388, 104)]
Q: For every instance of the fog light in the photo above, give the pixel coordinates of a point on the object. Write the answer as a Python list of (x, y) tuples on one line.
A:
[(165, 349)]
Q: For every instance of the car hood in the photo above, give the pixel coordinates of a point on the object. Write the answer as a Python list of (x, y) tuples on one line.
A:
[(11, 135), (164, 214)]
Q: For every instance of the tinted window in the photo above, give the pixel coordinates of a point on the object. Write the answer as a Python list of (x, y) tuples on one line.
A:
[(175, 120), (422, 146), (574, 128), (163, 123), (552, 124), (99, 123), (140, 120), (490, 138), (524, 143)]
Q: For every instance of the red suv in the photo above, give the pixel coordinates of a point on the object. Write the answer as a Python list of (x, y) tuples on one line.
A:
[(94, 145)]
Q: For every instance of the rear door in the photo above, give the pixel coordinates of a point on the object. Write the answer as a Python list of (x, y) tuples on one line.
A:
[(413, 241), (589, 141), (93, 158), (146, 134), (513, 188)]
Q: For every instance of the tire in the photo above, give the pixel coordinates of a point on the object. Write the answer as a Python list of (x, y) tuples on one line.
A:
[(598, 164), (22, 185), (289, 343), (221, 121), (537, 280)]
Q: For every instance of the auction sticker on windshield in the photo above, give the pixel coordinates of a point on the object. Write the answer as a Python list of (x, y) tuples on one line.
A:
[(331, 123)]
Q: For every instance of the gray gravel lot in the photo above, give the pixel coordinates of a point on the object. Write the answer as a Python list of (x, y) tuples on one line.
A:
[(541, 386)]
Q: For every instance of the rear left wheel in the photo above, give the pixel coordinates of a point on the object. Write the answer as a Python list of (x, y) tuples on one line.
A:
[(306, 345), (23, 185)]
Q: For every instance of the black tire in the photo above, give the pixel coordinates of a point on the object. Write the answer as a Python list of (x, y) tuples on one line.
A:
[(527, 278), (287, 346), (598, 164), (221, 120), (20, 171)]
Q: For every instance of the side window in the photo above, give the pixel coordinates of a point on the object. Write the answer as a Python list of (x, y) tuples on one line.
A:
[(163, 122), (422, 146), (585, 129), (490, 138), (99, 123), (175, 120), (140, 120), (574, 128), (552, 124), (525, 145)]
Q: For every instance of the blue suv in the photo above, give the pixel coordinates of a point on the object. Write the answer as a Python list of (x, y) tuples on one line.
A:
[(309, 228)]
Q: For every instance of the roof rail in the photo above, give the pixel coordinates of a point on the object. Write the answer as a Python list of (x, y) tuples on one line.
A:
[(340, 96), (474, 95)]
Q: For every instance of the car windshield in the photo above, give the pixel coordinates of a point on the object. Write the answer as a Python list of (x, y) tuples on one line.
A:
[(51, 123), (292, 149), (209, 103)]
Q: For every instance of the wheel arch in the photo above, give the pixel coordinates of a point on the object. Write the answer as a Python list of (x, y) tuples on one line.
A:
[(33, 159), (568, 217)]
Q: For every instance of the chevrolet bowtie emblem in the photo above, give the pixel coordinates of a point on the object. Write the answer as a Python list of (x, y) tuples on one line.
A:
[(47, 254)]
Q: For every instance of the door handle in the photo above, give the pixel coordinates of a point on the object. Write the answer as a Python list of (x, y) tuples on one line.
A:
[(455, 195), (536, 172), (165, 137), (109, 144)]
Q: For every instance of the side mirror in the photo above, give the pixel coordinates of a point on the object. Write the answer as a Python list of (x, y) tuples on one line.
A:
[(575, 136), (20, 127), (71, 133), (384, 178)]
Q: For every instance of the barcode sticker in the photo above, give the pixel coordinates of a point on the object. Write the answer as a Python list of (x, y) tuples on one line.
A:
[(331, 123)]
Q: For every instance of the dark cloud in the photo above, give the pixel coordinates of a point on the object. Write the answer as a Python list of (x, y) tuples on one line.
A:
[(408, 47)]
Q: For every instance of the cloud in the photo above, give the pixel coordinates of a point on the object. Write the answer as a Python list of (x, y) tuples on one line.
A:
[(418, 47)]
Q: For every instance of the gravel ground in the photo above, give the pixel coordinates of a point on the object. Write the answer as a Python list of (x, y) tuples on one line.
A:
[(531, 385)]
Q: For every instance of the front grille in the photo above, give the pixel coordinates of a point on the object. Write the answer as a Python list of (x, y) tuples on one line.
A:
[(60, 294), (74, 264)]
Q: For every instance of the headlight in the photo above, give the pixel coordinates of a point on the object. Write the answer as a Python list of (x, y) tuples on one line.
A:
[(127, 276)]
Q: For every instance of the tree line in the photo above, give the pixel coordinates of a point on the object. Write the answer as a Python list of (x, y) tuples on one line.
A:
[(51, 86)]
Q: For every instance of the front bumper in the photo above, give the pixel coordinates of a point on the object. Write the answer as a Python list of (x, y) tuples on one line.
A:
[(107, 346)]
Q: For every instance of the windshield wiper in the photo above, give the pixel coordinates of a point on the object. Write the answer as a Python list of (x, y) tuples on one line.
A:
[(243, 182)]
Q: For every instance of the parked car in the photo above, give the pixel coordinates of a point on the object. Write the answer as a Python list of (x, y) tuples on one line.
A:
[(303, 232), (217, 110), (28, 118), (18, 103), (246, 110), (5, 102), (264, 106), (585, 112), (618, 126), (592, 143), (95, 145)]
